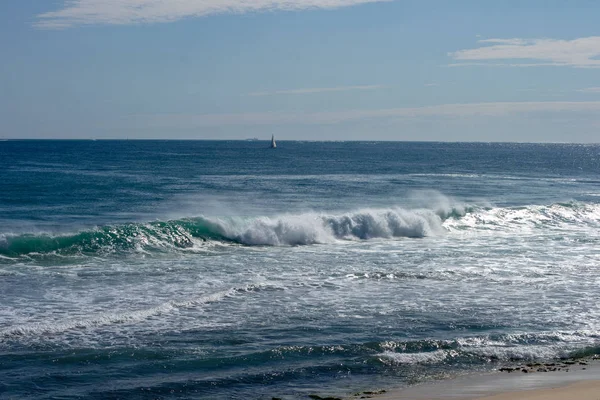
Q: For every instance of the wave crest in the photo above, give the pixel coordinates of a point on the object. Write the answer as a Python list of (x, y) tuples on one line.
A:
[(191, 233)]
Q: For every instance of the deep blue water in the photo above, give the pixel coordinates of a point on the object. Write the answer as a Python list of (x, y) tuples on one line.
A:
[(158, 269)]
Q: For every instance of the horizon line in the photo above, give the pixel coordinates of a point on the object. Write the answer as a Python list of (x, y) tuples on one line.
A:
[(281, 140)]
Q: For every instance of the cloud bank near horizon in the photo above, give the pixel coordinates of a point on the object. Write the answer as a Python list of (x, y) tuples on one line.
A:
[(316, 90), (590, 90), (127, 12), (466, 110), (580, 53)]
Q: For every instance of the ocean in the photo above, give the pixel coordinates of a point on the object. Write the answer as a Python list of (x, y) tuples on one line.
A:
[(228, 270)]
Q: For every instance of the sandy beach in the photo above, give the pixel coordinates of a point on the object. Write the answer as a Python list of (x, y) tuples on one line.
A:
[(587, 390), (579, 382)]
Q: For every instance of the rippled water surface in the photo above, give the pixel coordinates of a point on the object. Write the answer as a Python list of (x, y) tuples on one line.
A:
[(229, 270)]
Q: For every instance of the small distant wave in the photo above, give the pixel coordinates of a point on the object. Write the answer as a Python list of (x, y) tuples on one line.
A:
[(503, 348), (474, 350)]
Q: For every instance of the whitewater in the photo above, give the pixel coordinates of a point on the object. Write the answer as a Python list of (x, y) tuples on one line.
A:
[(200, 233), (228, 270)]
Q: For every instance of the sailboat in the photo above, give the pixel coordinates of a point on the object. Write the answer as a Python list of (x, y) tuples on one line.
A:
[(273, 144)]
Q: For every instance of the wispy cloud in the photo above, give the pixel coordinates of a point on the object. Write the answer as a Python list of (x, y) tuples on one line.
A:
[(318, 118), (123, 12), (590, 90), (317, 90), (581, 53)]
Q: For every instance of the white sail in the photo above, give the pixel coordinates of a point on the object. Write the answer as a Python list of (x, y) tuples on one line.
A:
[(273, 144)]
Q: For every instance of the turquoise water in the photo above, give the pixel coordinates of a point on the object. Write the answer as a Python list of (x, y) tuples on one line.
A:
[(218, 270)]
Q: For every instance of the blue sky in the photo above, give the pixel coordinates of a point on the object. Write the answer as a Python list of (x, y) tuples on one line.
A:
[(311, 69)]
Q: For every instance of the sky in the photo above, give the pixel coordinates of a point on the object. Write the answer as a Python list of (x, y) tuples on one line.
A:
[(463, 70)]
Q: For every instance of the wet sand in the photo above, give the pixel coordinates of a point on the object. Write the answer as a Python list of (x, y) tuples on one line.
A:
[(586, 390), (575, 380)]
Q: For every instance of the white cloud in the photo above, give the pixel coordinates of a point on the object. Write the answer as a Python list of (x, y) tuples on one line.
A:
[(317, 90), (590, 90), (581, 53), (123, 12), (319, 118)]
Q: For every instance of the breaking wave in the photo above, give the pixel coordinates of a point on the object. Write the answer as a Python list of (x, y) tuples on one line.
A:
[(293, 230), (572, 215), (193, 233), (543, 346)]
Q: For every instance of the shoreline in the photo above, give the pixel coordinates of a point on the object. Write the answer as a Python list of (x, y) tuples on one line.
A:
[(584, 390), (579, 381)]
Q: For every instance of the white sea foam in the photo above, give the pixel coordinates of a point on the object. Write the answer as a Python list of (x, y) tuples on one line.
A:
[(573, 216), (525, 353), (313, 228), (57, 327), (195, 234), (443, 216), (507, 347), (417, 358)]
